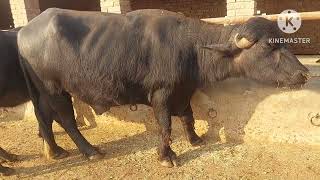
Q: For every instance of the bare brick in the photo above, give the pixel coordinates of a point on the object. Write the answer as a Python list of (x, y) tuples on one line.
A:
[(231, 13), (107, 3), (246, 5), (115, 9), (241, 7), (231, 6)]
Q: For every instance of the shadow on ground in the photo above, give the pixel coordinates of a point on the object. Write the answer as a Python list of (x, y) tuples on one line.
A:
[(234, 101)]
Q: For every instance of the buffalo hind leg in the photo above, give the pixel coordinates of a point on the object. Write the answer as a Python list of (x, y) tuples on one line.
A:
[(50, 148), (187, 120), (62, 105), (167, 156)]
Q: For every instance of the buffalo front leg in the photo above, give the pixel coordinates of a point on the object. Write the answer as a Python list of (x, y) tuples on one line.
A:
[(187, 120), (62, 105), (167, 156)]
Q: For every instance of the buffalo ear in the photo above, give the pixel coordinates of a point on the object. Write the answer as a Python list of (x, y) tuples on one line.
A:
[(223, 48)]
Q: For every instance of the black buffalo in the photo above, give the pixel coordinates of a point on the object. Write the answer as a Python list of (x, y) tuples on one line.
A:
[(109, 60), (13, 89)]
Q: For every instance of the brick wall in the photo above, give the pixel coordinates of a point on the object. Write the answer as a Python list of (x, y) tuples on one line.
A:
[(24, 10), (309, 29), (32, 8), (6, 20), (191, 8), (276, 6), (81, 5)]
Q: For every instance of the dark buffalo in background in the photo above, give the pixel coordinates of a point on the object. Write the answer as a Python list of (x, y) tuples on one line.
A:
[(109, 60), (13, 89)]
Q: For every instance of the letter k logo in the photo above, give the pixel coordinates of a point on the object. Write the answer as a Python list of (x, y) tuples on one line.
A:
[(289, 21)]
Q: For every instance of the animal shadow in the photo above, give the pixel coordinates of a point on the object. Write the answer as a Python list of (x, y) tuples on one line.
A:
[(234, 100), (116, 148), (18, 113)]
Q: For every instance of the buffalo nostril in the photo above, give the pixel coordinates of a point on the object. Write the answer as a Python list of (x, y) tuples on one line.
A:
[(301, 77), (306, 75), (303, 74)]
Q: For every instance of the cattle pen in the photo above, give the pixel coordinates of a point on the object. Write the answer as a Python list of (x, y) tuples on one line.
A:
[(250, 130)]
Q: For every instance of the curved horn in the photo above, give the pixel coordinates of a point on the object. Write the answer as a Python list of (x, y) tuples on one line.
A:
[(243, 43)]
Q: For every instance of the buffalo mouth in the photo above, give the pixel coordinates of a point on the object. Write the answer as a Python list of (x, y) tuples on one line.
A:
[(298, 80), (296, 85)]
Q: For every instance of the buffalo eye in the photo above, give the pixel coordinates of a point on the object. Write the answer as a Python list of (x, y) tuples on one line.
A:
[(270, 46)]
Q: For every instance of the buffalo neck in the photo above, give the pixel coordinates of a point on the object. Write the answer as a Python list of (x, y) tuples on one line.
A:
[(213, 65)]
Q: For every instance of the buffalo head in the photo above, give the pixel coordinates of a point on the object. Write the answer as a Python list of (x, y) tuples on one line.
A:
[(261, 59), (255, 56)]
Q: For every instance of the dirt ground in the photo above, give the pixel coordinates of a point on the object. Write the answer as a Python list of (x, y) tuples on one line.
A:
[(130, 153)]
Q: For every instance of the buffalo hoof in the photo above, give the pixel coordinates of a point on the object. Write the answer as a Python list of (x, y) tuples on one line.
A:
[(5, 171), (60, 154), (169, 161), (196, 141), (96, 156)]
